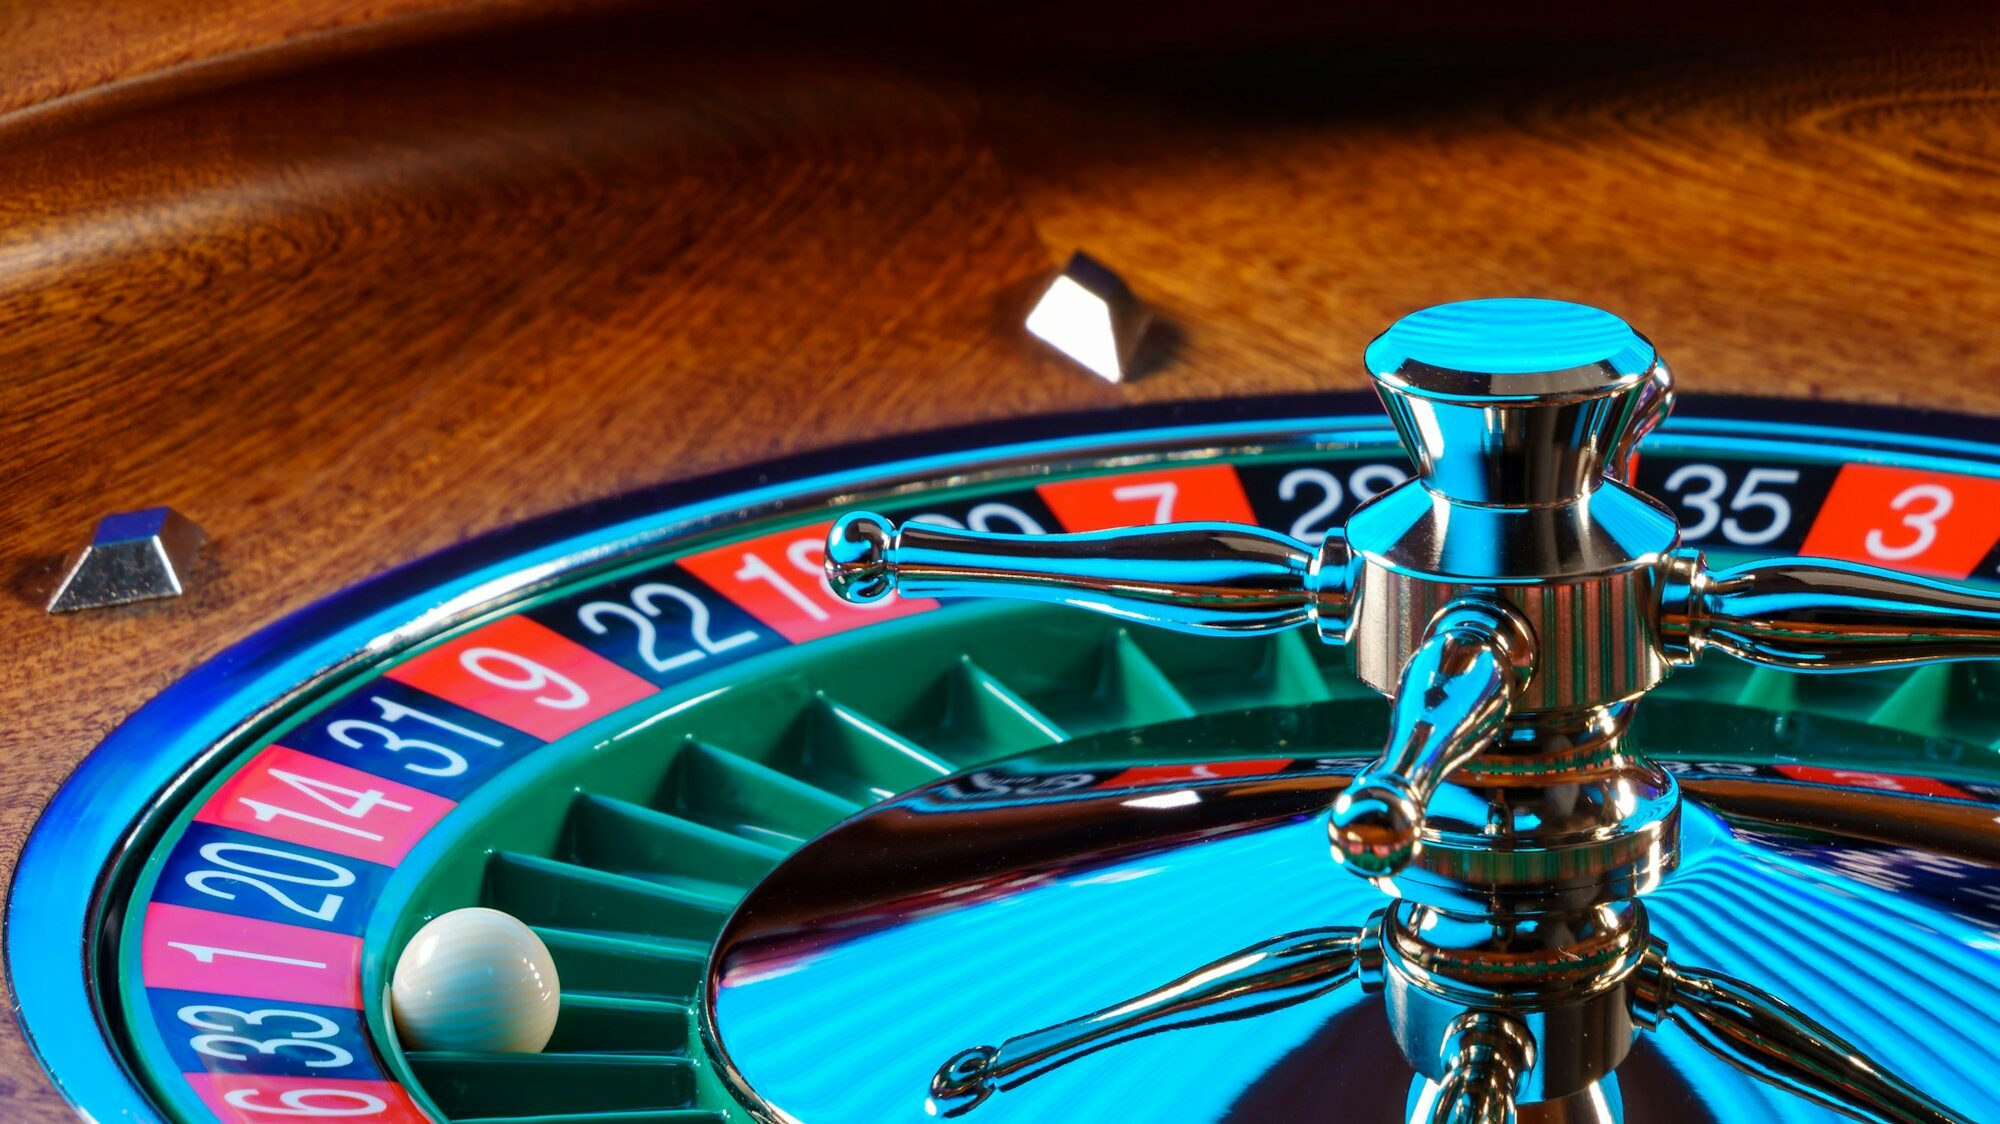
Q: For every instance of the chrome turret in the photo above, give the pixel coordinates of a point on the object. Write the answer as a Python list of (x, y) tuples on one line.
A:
[(1515, 600)]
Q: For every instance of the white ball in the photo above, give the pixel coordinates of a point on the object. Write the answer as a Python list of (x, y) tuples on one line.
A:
[(476, 980)]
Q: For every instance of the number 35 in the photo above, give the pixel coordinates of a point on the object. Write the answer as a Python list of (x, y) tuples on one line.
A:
[(1748, 497)]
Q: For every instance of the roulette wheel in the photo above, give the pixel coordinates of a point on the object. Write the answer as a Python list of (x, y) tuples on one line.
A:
[(838, 730)]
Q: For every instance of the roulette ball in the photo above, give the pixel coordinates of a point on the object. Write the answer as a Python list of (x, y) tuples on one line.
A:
[(476, 980), (686, 564)]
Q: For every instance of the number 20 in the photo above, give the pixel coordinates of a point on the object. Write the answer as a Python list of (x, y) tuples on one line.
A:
[(243, 873)]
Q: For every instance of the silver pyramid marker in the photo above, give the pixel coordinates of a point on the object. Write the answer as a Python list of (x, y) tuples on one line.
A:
[(1089, 315), (134, 556)]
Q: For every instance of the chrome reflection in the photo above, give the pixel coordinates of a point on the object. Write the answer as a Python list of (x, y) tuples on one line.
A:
[(1515, 601), (1052, 886)]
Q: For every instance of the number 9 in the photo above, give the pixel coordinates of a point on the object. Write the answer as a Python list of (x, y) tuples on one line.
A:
[(534, 677)]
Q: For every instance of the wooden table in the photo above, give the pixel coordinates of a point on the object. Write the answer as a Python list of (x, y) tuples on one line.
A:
[(347, 283)]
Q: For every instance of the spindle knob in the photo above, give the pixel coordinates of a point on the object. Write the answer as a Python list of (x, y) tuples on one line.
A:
[(1517, 402)]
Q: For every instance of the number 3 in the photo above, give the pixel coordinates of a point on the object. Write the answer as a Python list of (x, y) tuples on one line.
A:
[(1924, 523)]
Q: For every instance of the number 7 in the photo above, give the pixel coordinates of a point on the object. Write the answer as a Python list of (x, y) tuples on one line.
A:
[(1163, 493)]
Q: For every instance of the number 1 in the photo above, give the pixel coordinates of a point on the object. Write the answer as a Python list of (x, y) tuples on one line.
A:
[(205, 954)]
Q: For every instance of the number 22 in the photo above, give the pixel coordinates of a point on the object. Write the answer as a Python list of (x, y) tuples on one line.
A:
[(641, 613)]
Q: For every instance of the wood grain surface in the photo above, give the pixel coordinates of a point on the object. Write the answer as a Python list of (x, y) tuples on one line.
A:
[(347, 282)]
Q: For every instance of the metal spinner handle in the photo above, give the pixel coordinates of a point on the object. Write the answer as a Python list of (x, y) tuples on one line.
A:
[(1515, 600)]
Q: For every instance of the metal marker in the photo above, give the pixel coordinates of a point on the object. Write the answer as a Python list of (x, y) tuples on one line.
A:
[(133, 556)]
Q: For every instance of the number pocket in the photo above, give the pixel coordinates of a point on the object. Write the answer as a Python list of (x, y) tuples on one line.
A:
[(241, 873), (645, 609)]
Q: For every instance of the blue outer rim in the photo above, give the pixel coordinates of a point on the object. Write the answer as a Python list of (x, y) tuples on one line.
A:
[(106, 800)]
